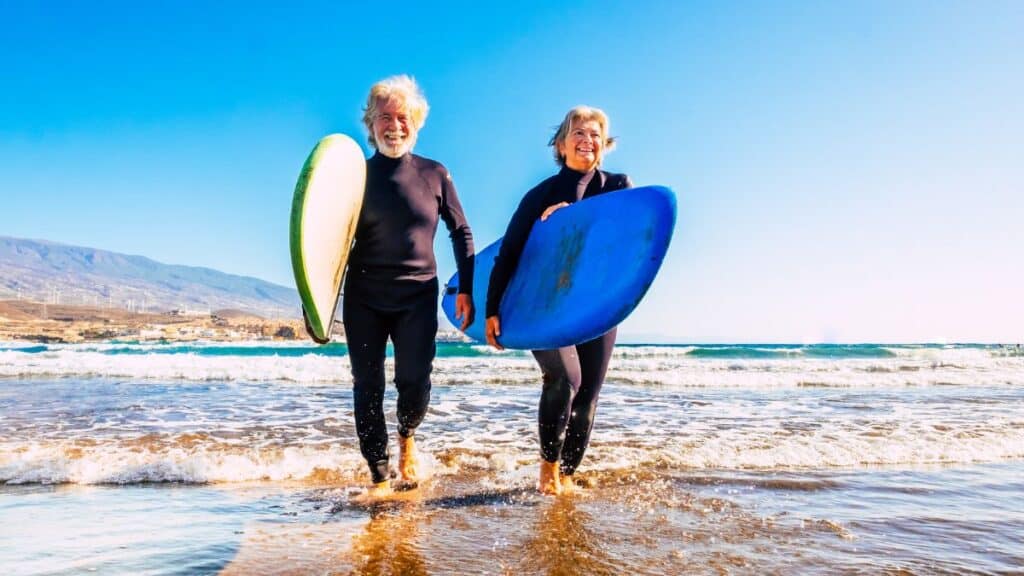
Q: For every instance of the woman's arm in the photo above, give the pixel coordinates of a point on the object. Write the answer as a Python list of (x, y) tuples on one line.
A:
[(512, 245)]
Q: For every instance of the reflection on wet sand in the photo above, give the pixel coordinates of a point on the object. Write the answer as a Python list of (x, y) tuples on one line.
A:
[(643, 524), (563, 543), (301, 548), (380, 538), (390, 542)]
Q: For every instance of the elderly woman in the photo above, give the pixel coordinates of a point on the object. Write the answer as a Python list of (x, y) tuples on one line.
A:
[(391, 287), (572, 375)]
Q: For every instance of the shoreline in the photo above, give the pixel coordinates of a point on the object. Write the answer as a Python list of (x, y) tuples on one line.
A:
[(40, 323)]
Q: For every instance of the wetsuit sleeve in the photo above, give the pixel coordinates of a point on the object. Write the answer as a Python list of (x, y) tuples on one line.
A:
[(459, 232), (529, 210)]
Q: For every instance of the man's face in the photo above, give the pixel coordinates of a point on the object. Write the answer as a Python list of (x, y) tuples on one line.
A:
[(392, 129)]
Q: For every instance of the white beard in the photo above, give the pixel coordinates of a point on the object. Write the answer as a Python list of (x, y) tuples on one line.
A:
[(403, 147)]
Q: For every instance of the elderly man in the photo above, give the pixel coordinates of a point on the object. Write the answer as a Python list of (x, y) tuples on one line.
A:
[(391, 289)]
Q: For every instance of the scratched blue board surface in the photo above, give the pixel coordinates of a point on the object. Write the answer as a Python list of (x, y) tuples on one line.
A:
[(582, 271)]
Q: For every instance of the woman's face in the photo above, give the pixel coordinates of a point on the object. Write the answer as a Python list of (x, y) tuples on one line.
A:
[(582, 146), (393, 131)]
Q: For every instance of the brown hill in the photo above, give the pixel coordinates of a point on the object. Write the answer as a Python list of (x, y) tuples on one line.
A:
[(24, 310)]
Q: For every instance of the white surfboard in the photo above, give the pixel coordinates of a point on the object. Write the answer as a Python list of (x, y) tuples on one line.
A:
[(325, 211)]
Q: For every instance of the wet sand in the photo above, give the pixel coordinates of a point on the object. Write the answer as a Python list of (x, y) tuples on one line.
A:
[(884, 521)]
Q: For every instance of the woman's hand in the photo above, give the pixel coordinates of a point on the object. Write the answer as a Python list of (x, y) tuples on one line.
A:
[(551, 210), (493, 330), (464, 310)]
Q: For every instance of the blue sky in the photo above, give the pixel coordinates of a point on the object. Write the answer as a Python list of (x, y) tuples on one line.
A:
[(846, 171)]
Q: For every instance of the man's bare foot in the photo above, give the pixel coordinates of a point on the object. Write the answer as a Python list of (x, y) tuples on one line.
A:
[(377, 492), (549, 483), (380, 489), (407, 460), (568, 484)]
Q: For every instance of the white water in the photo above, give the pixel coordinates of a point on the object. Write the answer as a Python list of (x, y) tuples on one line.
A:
[(660, 366)]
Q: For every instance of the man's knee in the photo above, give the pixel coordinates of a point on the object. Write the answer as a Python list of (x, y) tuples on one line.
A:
[(413, 383)]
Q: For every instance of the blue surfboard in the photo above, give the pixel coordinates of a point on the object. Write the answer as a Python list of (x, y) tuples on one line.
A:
[(581, 273)]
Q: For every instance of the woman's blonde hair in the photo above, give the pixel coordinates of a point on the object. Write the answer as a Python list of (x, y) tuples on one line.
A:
[(402, 89), (575, 116)]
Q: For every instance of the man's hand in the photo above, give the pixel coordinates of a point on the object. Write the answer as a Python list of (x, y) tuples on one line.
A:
[(464, 310), (551, 210), (493, 330)]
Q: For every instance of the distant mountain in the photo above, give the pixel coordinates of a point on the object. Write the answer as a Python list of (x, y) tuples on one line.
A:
[(62, 274)]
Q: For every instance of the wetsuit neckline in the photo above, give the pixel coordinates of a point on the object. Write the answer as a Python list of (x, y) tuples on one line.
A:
[(567, 172), (388, 161), (579, 182)]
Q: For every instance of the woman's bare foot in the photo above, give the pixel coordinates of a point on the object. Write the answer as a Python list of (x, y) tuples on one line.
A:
[(549, 483), (407, 460)]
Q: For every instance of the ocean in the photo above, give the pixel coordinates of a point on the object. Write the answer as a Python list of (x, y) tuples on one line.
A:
[(153, 458)]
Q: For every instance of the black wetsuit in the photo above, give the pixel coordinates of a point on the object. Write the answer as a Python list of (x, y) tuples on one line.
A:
[(572, 375), (391, 289)]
